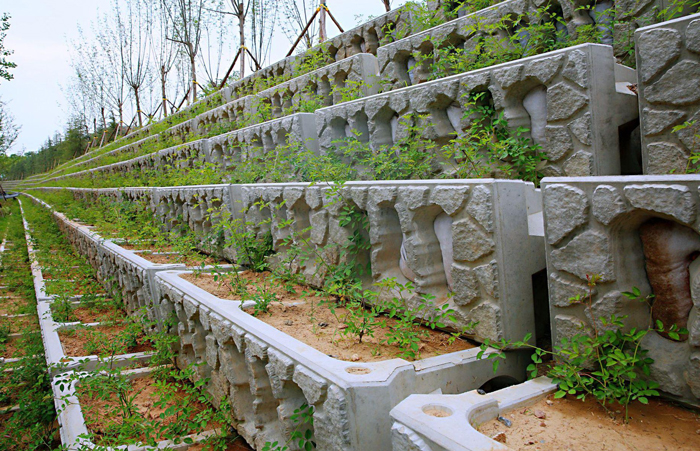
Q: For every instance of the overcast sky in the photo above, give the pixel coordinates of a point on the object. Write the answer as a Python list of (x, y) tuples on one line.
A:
[(39, 34)]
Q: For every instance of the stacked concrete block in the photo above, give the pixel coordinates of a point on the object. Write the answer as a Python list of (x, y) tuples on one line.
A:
[(568, 99), (267, 374), (467, 242), (631, 232), (231, 114), (668, 60), (630, 15), (322, 85), (406, 62), (264, 139)]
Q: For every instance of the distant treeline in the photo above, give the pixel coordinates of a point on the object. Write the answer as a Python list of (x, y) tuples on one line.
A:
[(57, 150)]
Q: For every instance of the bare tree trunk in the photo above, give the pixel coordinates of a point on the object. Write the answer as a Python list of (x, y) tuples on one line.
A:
[(104, 120), (322, 22), (241, 37), (138, 106), (163, 79), (194, 73), (387, 5)]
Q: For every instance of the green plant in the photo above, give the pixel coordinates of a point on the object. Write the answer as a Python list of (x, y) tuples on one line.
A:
[(605, 360), (302, 435)]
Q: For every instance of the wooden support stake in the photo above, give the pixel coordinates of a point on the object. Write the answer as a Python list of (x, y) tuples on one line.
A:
[(306, 28)]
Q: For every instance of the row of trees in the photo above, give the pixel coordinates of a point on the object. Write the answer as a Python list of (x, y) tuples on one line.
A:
[(144, 59)]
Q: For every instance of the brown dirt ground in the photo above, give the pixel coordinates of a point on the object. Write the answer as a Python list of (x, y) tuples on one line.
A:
[(96, 409), (173, 258), (11, 305), (147, 247), (12, 349), (95, 315), (20, 324), (303, 322), (570, 424), (238, 445), (74, 341)]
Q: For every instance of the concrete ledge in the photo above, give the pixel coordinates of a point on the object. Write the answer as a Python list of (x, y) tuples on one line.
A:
[(269, 374), (415, 428)]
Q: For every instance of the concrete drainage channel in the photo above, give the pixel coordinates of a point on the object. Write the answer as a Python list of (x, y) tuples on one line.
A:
[(268, 374), (67, 371)]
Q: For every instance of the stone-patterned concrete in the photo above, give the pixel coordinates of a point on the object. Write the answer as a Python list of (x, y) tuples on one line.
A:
[(592, 228), (668, 60)]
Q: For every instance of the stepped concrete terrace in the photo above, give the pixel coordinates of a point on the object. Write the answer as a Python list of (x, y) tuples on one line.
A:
[(574, 101), (267, 374), (477, 239)]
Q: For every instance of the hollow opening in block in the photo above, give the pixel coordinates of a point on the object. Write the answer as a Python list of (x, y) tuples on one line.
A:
[(554, 15), (340, 79), (325, 91), (357, 45), (403, 64), (540, 297), (427, 257), (286, 100), (360, 127), (217, 154), (301, 230), (388, 239), (276, 101), (357, 247), (371, 41), (669, 251), (446, 117), (602, 14), (281, 138), (630, 141), (386, 124), (268, 142), (526, 108), (499, 383), (291, 412), (339, 127)]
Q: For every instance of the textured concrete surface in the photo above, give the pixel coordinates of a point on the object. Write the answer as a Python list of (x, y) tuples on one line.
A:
[(668, 58), (592, 226)]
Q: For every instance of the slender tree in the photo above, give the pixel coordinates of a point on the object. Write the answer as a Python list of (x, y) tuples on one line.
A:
[(186, 19), (133, 32), (8, 129), (5, 65), (387, 5), (296, 15), (163, 50)]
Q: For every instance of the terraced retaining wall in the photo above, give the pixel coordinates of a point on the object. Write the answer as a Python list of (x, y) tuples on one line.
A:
[(267, 374), (475, 244), (567, 98), (668, 58), (632, 232)]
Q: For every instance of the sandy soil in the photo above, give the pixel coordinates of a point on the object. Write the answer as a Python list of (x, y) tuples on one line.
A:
[(12, 349), (306, 317), (147, 247), (173, 258), (97, 410), (11, 305), (95, 315), (569, 424), (74, 341), (20, 324)]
